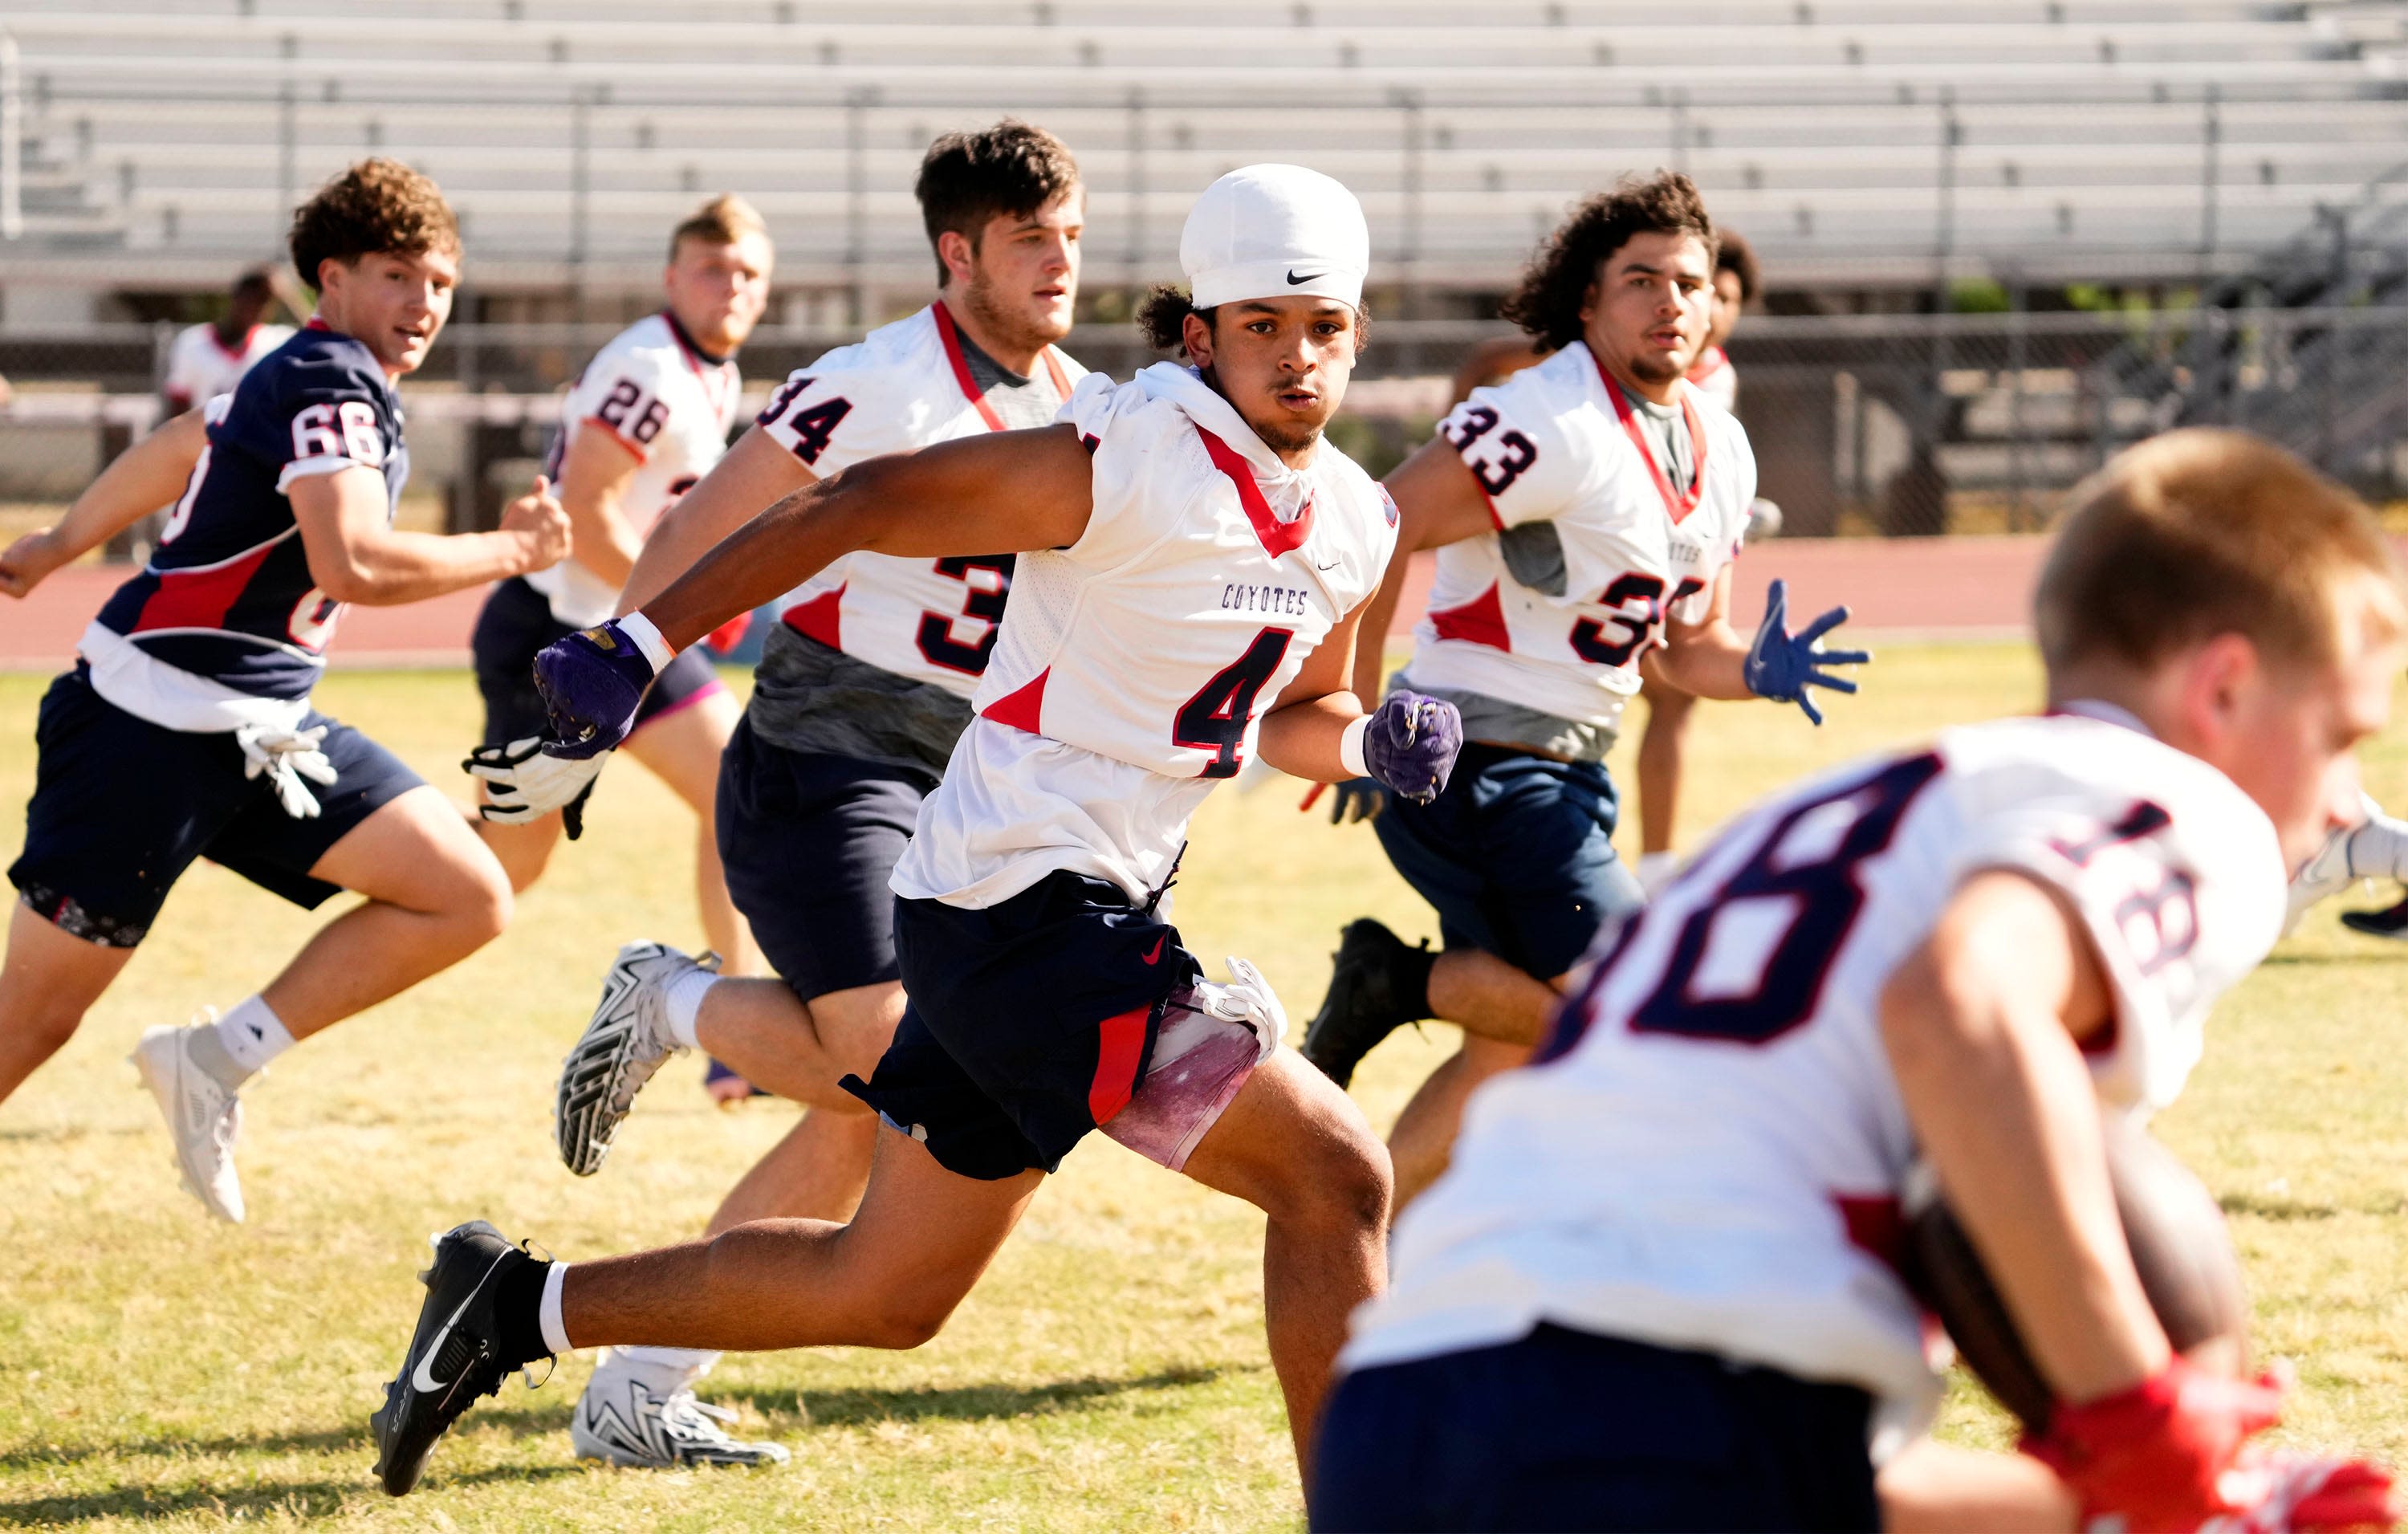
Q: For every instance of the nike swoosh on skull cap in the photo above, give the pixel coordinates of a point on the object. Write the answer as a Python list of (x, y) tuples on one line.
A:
[(1294, 280)]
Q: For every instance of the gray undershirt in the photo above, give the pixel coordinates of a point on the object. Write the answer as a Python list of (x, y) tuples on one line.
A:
[(807, 696)]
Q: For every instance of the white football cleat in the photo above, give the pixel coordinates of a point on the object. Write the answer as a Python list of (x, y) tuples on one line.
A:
[(622, 1419), (622, 1045), (204, 1117)]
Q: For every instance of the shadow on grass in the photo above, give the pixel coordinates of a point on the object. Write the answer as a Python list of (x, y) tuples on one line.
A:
[(965, 1403), (299, 1499), (2273, 1209), (516, 1420), (2390, 952)]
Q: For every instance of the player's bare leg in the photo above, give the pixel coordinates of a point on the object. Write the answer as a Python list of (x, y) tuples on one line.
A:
[(818, 1172), (1663, 750), (1294, 1146), (682, 749), (890, 1279), (435, 895), (799, 1050), (50, 980), (1423, 1141), (1937, 1488)]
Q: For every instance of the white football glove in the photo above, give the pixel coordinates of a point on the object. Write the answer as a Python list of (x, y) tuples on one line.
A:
[(523, 784), (2374, 848), (285, 757)]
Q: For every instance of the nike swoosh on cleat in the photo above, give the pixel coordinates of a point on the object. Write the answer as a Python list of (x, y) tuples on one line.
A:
[(1156, 954), (422, 1378), (1294, 280)]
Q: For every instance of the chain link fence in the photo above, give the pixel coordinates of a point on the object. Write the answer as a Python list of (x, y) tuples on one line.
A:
[(1890, 425)]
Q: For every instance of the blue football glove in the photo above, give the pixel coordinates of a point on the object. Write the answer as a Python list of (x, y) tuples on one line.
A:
[(591, 682), (1411, 744), (1781, 666), (1356, 799)]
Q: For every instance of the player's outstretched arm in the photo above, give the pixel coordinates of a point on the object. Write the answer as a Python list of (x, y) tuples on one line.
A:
[(1438, 503), (1001, 492), (146, 476), (755, 474), (355, 556), (595, 475), (1319, 730), (1709, 659)]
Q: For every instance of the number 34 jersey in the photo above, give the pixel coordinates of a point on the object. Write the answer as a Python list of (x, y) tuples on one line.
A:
[(1709, 1153), (1135, 665), (904, 386), (1593, 542), (666, 402)]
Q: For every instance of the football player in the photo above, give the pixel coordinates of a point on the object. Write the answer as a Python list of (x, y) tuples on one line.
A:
[(1654, 1289), (1193, 561), (862, 691), (1586, 513), (647, 418), (185, 730), (205, 361)]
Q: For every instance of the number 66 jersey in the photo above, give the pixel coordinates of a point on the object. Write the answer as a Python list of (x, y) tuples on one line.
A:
[(1595, 542), (1708, 1153)]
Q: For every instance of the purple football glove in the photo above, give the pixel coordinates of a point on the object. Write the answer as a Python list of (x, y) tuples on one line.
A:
[(1782, 665), (591, 682), (1411, 744)]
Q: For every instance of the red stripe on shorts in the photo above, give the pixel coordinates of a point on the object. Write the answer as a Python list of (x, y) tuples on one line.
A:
[(1122, 1040)]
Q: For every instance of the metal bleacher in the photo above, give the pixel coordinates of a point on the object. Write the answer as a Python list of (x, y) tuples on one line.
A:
[(1865, 141)]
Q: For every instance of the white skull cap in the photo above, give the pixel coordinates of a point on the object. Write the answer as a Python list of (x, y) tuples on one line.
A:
[(1263, 231)]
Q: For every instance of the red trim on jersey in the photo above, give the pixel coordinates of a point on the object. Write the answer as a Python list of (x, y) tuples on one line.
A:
[(1479, 620), (713, 376), (1119, 1044), (231, 353), (1021, 709), (822, 617), (1675, 506), (949, 333), (1494, 520), (1277, 538), (313, 322), (1876, 1225), (200, 599), (642, 454), (1711, 361)]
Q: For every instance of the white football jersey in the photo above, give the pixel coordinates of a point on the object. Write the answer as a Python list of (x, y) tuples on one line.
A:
[(199, 368), (1557, 443), (1135, 666), (1716, 379), (664, 401), (1709, 1154), (903, 386)]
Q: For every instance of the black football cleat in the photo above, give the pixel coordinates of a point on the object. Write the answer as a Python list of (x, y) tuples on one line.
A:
[(2390, 923), (1367, 998), (453, 1356)]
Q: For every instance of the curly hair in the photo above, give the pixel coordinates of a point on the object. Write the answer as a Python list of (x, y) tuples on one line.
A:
[(378, 207), (1737, 255), (1555, 285), (1010, 170), (1162, 319)]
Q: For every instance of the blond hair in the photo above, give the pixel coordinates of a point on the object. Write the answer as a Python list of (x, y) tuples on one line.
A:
[(2202, 532), (722, 220)]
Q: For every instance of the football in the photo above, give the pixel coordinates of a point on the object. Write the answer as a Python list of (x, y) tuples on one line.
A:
[(2180, 1246)]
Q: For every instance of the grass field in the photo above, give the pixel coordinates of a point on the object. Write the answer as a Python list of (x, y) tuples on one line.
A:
[(1110, 1373)]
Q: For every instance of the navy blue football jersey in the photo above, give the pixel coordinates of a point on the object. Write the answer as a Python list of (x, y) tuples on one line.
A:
[(227, 594)]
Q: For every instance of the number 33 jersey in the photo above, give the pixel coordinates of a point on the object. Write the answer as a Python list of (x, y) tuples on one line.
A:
[(1593, 541), (1709, 1153), (904, 386), (655, 393), (1135, 666)]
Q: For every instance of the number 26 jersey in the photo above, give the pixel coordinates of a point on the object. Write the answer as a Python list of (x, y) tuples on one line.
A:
[(1709, 1153), (1556, 617)]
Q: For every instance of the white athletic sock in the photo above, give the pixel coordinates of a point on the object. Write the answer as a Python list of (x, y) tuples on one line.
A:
[(667, 1370), (685, 998), (1656, 870), (252, 1035), (555, 1331)]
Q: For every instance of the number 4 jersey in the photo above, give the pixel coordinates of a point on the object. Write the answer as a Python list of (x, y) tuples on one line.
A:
[(1594, 541), (1709, 1154), (226, 609)]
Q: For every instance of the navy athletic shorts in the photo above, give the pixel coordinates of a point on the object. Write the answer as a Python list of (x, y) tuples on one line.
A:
[(1570, 1430), (513, 627), (807, 841), (122, 806), (1028, 1023), (1516, 855)]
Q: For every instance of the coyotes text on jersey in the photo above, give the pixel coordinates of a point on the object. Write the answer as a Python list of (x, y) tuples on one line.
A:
[(903, 386), (1709, 1154), (1133, 667), (1557, 444), (663, 399)]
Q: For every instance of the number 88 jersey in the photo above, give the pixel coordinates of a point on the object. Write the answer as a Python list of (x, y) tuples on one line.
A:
[(1592, 543), (903, 386)]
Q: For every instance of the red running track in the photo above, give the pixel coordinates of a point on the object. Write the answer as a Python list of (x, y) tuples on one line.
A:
[(1969, 586)]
